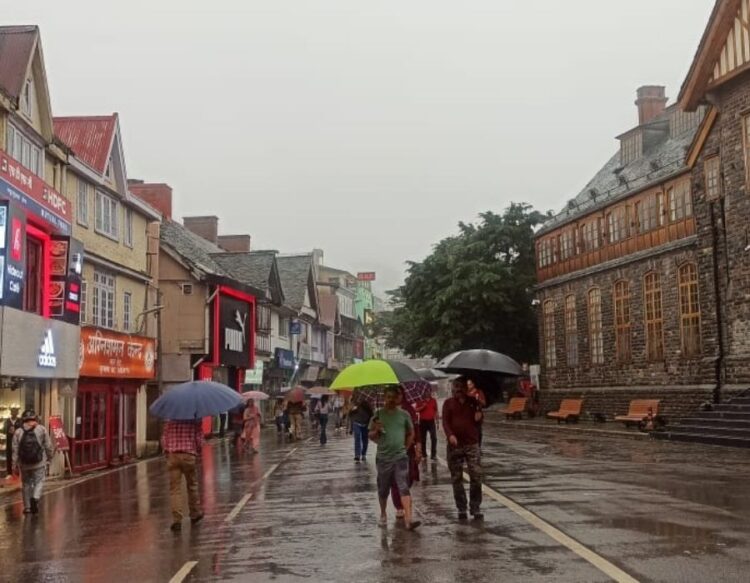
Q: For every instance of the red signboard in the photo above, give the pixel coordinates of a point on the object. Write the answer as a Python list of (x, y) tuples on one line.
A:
[(58, 433), (366, 276), (113, 355)]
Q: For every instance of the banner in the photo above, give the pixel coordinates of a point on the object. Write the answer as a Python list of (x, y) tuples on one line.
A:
[(113, 355), (57, 432)]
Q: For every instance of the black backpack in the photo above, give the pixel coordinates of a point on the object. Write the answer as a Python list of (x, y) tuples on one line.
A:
[(30, 451)]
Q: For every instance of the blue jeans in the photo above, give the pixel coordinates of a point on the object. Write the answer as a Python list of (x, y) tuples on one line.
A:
[(323, 419), (360, 440)]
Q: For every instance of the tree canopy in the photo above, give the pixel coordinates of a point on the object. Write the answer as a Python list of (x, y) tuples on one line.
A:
[(473, 291)]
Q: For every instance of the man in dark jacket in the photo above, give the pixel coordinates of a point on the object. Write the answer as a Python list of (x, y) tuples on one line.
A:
[(32, 451), (462, 417)]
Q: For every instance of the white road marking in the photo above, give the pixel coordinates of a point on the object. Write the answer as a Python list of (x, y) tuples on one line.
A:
[(180, 575), (557, 535), (238, 507)]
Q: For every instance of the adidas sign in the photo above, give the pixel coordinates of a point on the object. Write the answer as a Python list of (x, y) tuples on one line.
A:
[(47, 358)]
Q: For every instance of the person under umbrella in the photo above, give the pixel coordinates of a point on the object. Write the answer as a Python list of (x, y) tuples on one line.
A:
[(414, 452), (251, 426), (359, 417)]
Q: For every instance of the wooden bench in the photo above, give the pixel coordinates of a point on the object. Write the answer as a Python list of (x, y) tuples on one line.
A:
[(569, 411), (516, 407), (639, 411)]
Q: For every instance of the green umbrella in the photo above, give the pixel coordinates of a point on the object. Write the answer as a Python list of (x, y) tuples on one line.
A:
[(374, 372)]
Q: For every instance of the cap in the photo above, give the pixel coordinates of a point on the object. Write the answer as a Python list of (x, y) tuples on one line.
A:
[(28, 415)]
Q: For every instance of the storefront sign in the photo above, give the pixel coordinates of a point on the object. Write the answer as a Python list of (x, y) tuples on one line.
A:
[(108, 354), (31, 192), (235, 332), (254, 376), (66, 258), (57, 432), (284, 359), (295, 327), (366, 276), (47, 358), (14, 256)]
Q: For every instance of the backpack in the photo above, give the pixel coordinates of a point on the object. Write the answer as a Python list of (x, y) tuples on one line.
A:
[(30, 451)]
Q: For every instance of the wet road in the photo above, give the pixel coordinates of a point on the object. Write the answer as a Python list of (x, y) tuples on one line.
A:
[(302, 512)]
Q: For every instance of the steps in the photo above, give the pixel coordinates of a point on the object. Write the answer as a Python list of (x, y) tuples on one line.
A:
[(727, 424)]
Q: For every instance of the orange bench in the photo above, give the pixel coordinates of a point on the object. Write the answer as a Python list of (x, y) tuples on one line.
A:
[(570, 410), (638, 411), (516, 407)]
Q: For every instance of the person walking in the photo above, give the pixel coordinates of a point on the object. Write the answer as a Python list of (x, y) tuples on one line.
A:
[(182, 442), (473, 391), (462, 417), (32, 451), (296, 410), (9, 429), (278, 414), (360, 416), (414, 453), (323, 409), (427, 410), (391, 428), (251, 426)]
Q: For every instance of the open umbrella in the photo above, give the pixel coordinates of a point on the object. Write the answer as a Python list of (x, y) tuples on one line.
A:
[(414, 392), (255, 395), (319, 391), (194, 400), (296, 395), (468, 361), (431, 374), (373, 373)]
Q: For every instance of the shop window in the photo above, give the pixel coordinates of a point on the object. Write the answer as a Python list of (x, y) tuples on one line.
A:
[(550, 356), (654, 319), (622, 321), (107, 213), (103, 300), (690, 315), (571, 331), (596, 335), (32, 301)]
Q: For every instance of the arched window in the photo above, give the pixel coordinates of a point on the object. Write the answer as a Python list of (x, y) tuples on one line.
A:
[(653, 317), (550, 358), (571, 331), (622, 321), (690, 314), (596, 336)]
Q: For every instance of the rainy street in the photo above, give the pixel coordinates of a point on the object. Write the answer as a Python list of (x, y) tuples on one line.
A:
[(558, 507)]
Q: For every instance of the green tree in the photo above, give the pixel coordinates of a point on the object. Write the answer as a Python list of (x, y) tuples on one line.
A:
[(473, 291)]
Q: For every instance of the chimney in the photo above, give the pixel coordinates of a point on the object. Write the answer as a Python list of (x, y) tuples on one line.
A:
[(651, 102), (317, 256), (156, 194), (206, 227), (234, 243)]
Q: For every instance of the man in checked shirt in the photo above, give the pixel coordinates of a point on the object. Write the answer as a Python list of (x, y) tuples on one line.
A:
[(182, 442)]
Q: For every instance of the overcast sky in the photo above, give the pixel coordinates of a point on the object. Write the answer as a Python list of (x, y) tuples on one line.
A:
[(365, 128)]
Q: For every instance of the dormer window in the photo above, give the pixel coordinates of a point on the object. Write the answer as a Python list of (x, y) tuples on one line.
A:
[(631, 147), (27, 96)]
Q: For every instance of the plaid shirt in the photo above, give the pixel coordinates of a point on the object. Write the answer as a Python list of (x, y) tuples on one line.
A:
[(182, 437)]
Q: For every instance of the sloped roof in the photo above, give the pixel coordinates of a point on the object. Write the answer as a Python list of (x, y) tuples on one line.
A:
[(294, 271), (327, 305), (195, 251), (251, 268), (90, 138), (616, 180), (16, 46)]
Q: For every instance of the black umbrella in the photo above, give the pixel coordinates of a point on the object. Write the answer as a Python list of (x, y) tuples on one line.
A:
[(430, 374), (471, 361)]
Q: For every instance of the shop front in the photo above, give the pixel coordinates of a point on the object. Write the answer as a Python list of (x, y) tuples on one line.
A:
[(114, 368), (38, 364), (232, 343)]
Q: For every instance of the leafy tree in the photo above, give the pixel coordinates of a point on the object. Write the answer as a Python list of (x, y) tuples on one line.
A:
[(473, 291)]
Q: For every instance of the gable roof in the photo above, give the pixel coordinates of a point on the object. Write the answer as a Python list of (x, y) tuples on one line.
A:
[(194, 251), (90, 138), (295, 272), (722, 20), (17, 44), (616, 180), (254, 268)]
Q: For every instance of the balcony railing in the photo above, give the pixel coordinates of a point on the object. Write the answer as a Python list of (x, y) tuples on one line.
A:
[(263, 343)]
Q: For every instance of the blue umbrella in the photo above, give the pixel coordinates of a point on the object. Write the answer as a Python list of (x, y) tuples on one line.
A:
[(194, 400)]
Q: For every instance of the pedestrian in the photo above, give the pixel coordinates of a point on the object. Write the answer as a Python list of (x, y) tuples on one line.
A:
[(413, 452), (251, 426), (323, 409), (32, 451), (427, 410), (313, 417), (338, 405), (474, 392), (278, 414), (296, 410), (223, 417), (182, 442), (392, 429), (360, 416), (9, 429), (462, 416)]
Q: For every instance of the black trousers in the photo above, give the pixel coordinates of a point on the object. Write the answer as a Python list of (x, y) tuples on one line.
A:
[(424, 428)]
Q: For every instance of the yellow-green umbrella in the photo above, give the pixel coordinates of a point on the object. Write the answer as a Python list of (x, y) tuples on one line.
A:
[(374, 372)]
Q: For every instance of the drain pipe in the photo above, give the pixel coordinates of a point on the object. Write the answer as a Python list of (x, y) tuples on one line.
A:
[(717, 294)]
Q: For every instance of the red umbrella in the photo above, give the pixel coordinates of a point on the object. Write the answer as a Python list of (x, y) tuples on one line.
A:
[(296, 395)]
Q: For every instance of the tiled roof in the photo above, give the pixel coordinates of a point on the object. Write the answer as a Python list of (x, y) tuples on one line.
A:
[(194, 250), (251, 268), (16, 46), (90, 138), (294, 271), (616, 180)]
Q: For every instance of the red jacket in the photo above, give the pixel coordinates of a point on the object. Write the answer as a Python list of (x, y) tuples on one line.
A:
[(428, 410)]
